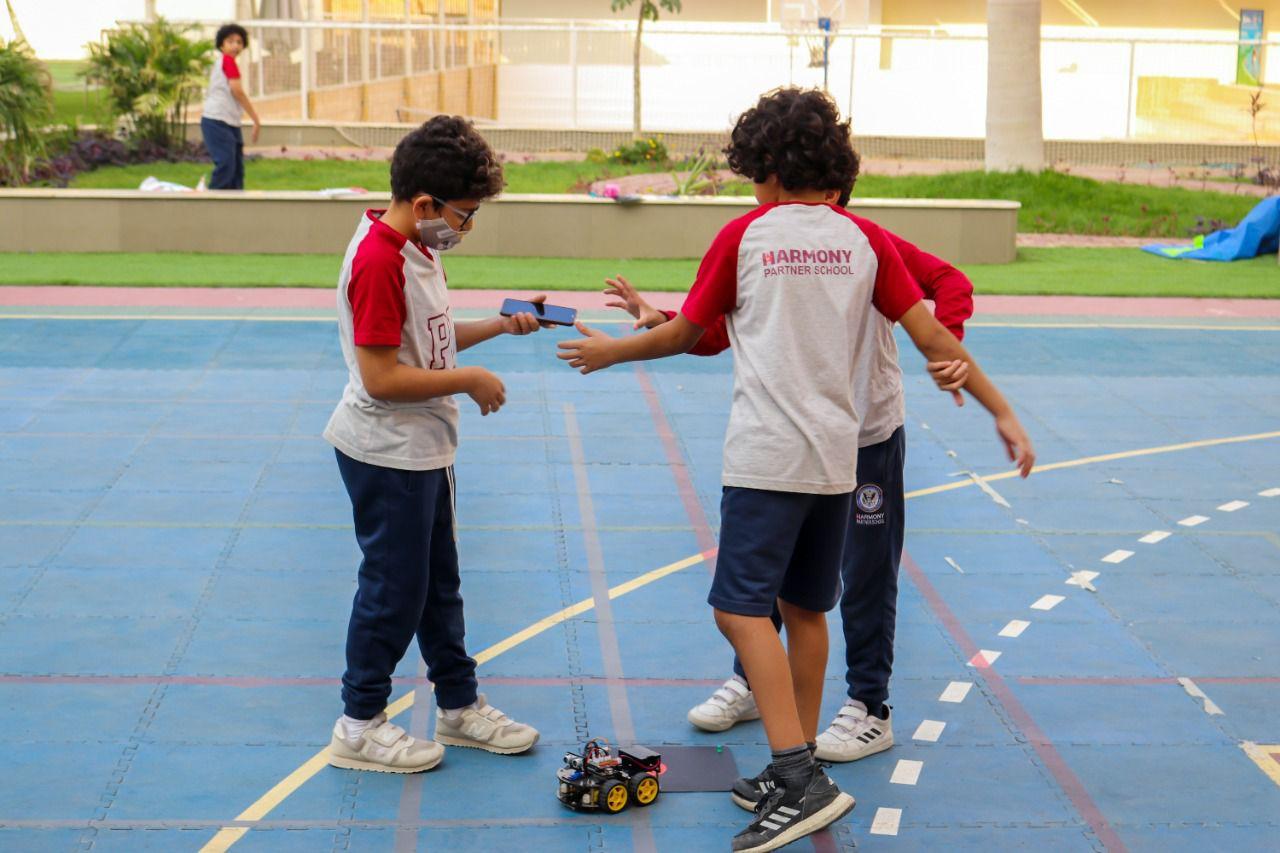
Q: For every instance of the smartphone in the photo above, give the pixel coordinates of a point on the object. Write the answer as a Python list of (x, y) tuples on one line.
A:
[(555, 314)]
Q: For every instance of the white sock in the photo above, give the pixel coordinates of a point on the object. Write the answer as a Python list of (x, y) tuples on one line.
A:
[(353, 728), (452, 714)]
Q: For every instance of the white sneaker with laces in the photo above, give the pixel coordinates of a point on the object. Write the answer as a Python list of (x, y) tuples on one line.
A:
[(383, 747), (854, 734), (482, 726), (732, 703)]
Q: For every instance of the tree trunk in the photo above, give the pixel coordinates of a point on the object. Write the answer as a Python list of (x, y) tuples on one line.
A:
[(1015, 126), (635, 94)]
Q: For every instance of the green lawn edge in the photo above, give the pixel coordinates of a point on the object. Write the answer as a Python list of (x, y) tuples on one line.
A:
[(1044, 271)]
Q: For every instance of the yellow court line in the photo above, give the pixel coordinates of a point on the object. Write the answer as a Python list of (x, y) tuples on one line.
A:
[(321, 318), (1261, 754), (1093, 460), (229, 835)]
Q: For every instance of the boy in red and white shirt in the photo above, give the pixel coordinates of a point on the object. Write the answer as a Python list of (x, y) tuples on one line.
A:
[(225, 102), (795, 280), (395, 433)]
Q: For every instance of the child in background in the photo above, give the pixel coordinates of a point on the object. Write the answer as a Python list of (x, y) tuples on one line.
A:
[(225, 102), (395, 433), (797, 280)]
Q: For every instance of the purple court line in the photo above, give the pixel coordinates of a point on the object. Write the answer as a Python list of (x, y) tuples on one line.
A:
[(305, 681), (1057, 766), (624, 729)]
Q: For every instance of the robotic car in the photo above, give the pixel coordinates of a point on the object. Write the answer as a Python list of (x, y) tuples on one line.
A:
[(609, 779)]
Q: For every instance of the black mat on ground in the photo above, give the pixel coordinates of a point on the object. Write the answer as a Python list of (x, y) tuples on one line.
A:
[(696, 768)]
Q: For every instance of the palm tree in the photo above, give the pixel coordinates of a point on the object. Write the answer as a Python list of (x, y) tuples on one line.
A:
[(648, 12), (1015, 127)]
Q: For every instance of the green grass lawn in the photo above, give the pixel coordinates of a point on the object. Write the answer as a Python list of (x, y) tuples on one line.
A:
[(1084, 272), (1051, 202), (73, 102)]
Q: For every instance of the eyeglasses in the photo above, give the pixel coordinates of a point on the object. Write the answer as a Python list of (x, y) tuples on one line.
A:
[(466, 215)]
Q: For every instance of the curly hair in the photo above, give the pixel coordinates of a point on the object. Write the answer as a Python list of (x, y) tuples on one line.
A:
[(797, 135), (227, 30), (447, 158)]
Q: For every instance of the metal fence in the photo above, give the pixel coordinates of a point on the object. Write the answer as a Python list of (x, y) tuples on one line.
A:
[(578, 76)]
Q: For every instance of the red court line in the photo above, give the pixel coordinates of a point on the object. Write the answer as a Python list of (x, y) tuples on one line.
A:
[(679, 470), (1062, 774), (1124, 681), (322, 298), (287, 681)]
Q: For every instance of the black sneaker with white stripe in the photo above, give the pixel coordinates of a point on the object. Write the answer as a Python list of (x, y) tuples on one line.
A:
[(790, 813), (748, 791)]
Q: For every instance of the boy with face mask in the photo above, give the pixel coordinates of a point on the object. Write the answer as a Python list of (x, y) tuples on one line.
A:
[(395, 433)]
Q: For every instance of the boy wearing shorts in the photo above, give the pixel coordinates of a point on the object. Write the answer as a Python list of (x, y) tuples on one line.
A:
[(873, 541), (395, 433), (796, 280)]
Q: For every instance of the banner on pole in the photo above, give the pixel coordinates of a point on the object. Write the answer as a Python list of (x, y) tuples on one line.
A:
[(1249, 56)]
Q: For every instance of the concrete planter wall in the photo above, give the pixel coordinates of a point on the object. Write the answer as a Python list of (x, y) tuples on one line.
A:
[(965, 232)]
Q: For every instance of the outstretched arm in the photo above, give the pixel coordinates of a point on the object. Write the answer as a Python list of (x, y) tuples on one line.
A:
[(938, 344), (597, 350)]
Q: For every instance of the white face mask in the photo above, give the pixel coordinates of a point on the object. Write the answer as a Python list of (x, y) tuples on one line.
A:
[(436, 234)]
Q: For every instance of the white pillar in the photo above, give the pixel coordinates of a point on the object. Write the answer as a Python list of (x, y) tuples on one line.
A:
[(1015, 125)]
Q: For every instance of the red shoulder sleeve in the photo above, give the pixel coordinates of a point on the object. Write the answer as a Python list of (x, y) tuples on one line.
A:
[(715, 290), (229, 67), (714, 340), (950, 289), (376, 294), (895, 290)]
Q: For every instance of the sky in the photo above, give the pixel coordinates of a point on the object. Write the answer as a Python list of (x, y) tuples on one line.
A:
[(59, 29)]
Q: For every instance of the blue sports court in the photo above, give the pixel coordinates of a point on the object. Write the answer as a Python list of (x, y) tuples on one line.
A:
[(1087, 659)]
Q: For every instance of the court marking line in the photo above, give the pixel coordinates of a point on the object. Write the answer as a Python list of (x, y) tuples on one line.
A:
[(1117, 556), (1232, 506), (1262, 755), (264, 805), (609, 319), (1015, 628), (929, 730), (1048, 602), (906, 772), (228, 836), (1155, 536), (1210, 707), (886, 821)]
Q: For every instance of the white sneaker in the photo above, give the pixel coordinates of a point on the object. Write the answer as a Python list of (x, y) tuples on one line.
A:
[(482, 726), (731, 704), (384, 747), (854, 734)]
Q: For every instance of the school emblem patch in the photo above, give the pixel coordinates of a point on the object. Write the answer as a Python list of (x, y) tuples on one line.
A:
[(869, 498)]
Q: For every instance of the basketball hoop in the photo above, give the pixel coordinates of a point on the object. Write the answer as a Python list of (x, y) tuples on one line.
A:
[(816, 22)]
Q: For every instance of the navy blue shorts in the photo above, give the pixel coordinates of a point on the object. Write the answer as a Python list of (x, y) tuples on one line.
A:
[(775, 545)]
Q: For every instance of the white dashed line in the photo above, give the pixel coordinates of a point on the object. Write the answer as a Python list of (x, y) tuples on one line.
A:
[(1014, 628), (929, 730), (984, 658), (1155, 536), (1193, 520), (1084, 580), (1270, 493), (907, 772), (1048, 602), (1232, 506), (1210, 707), (956, 691), (1117, 556), (953, 564), (886, 821)]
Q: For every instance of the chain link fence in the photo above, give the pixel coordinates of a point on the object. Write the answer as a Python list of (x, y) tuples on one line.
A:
[(576, 78)]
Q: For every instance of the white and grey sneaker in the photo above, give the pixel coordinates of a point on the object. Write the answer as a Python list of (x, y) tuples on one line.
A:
[(854, 734), (482, 726), (732, 703), (383, 747)]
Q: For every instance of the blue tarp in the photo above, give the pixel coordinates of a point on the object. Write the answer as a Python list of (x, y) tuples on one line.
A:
[(1257, 234)]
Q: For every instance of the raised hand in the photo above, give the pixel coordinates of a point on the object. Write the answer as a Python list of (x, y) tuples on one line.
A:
[(630, 300)]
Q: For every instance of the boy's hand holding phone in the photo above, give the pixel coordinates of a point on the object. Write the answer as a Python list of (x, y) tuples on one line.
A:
[(629, 300), (524, 322)]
